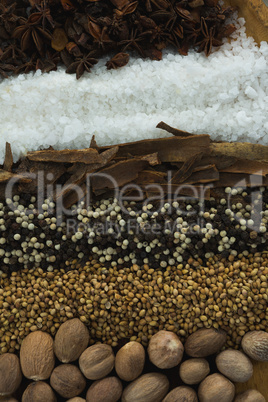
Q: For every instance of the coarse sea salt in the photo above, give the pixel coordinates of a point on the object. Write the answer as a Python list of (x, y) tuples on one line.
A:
[(224, 95)]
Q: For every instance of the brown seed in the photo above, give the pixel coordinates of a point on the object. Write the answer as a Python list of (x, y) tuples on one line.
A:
[(255, 345), (182, 393), (39, 391), (108, 389), (76, 399), (129, 361), (97, 361), (67, 380), (193, 371), (165, 349), (235, 365), (216, 387), (10, 374), (36, 356), (150, 387), (71, 340), (251, 395), (205, 342)]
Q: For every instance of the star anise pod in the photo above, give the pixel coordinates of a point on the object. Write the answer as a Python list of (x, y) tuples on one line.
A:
[(13, 54), (208, 40), (6, 68), (82, 64), (100, 35), (43, 15), (29, 65), (134, 41), (119, 60), (7, 20), (30, 34)]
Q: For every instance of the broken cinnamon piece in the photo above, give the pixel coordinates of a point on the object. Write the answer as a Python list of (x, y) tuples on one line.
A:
[(87, 155), (152, 159), (8, 162), (93, 143), (187, 168), (247, 166), (148, 177), (244, 150), (43, 174), (6, 176), (241, 180), (208, 174), (122, 172), (171, 149), (172, 130)]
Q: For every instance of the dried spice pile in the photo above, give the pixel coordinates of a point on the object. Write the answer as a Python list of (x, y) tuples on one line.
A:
[(134, 303), (230, 219), (38, 34)]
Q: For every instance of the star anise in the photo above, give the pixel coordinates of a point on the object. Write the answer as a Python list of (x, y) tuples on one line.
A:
[(134, 42), (7, 20), (43, 15), (13, 54), (100, 35), (208, 40), (48, 63), (119, 60), (30, 34), (5, 69), (82, 64), (29, 65)]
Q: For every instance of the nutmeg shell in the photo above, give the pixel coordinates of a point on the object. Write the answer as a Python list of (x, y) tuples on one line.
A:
[(108, 389), (36, 356), (165, 349), (150, 387), (67, 380), (38, 391), (205, 342), (255, 345), (251, 395), (235, 365), (10, 374), (129, 361), (97, 361), (71, 340), (194, 370), (182, 393), (216, 387)]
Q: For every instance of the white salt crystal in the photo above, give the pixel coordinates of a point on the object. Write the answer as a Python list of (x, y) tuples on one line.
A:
[(224, 95)]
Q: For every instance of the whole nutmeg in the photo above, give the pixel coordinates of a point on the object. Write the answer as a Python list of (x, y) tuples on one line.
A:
[(182, 393), (235, 365), (165, 350), (67, 380), (255, 345), (9, 399), (150, 387), (10, 373), (251, 395), (76, 399), (39, 391), (108, 389), (36, 356), (71, 340), (97, 361), (194, 370), (205, 342), (216, 387), (129, 361)]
